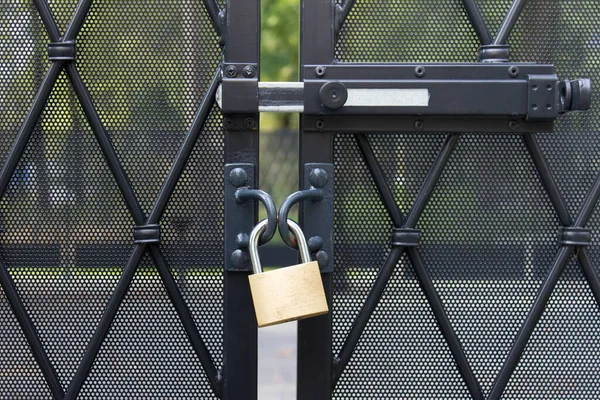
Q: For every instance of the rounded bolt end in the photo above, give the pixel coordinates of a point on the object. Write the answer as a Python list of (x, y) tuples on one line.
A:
[(242, 240), (238, 177), (419, 125), (315, 243), (318, 177), (322, 258), (240, 258)]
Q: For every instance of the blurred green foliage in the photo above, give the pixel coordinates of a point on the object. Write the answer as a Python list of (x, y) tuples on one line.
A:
[(280, 33)]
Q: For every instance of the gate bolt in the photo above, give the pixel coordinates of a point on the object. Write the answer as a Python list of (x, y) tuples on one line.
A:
[(322, 258), (240, 258), (315, 243), (238, 177), (318, 177)]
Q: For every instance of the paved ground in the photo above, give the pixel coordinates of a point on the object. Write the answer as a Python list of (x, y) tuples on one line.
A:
[(277, 362)]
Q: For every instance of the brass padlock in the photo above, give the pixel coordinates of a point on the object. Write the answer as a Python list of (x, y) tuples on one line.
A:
[(289, 293)]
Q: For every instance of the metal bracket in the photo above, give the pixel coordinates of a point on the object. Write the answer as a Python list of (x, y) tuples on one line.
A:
[(146, 233), (575, 236), (318, 221), (406, 237), (62, 51), (239, 217)]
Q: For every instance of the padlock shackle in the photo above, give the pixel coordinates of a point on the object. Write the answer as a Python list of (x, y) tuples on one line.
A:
[(257, 233)]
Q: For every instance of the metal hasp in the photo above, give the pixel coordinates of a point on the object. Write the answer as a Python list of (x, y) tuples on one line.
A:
[(239, 215), (428, 97), (317, 201)]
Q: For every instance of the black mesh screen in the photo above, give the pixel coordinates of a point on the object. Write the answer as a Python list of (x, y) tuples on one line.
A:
[(67, 232), (490, 233)]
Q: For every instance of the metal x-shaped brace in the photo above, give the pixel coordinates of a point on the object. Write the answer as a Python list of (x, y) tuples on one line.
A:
[(407, 226), (63, 43), (560, 260)]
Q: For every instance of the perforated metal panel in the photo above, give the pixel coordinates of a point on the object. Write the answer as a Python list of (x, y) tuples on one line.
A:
[(67, 237), (490, 233)]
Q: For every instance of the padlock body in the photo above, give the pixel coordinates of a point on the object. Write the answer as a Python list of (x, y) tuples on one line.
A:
[(288, 294)]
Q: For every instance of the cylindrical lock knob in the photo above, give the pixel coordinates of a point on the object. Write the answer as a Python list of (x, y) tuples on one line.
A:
[(285, 294)]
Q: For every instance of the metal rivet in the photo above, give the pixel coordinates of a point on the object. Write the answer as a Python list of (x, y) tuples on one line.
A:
[(320, 71), (513, 125), (322, 258), (318, 177), (231, 71), (239, 258), (419, 125), (315, 243), (513, 71), (242, 240), (238, 177), (319, 124), (250, 123), (249, 71), (420, 72)]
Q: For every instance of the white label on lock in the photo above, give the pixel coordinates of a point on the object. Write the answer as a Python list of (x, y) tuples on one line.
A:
[(387, 97)]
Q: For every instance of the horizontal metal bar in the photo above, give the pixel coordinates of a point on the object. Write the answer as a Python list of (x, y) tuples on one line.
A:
[(430, 71), (394, 123), (281, 97)]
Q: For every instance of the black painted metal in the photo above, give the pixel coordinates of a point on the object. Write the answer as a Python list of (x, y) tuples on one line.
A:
[(242, 47), (477, 21), (358, 329), (509, 21), (244, 194), (318, 229), (312, 194), (146, 232)]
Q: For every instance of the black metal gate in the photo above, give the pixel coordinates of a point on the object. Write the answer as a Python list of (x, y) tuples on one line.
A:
[(449, 204)]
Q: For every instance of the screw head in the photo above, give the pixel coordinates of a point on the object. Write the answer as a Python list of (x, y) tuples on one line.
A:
[(513, 71), (315, 243), (419, 125), (420, 71), (249, 71), (320, 71), (250, 123), (228, 123), (513, 125), (239, 258), (238, 177), (231, 71), (318, 177), (322, 258), (319, 124)]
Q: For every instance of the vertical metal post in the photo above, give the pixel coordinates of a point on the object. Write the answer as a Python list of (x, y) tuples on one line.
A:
[(242, 45), (314, 334)]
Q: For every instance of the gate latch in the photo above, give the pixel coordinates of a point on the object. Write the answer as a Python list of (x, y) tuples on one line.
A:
[(531, 94)]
